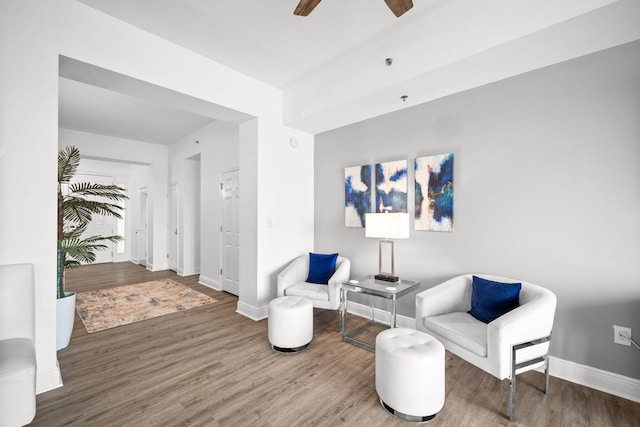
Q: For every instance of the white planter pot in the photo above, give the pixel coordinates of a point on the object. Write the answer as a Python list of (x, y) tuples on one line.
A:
[(65, 316)]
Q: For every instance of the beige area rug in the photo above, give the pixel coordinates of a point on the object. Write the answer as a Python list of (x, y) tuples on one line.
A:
[(108, 308)]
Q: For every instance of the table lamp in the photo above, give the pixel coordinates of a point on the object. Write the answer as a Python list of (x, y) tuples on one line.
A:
[(386, 227)]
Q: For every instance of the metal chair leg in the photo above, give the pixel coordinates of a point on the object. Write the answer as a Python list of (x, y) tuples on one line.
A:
[(515, 366), (512, 390), (546, 376)]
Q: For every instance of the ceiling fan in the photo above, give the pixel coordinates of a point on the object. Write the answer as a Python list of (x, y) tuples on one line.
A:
[(398, 7)]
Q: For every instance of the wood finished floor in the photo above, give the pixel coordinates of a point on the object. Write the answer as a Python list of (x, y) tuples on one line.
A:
[(209, 366)]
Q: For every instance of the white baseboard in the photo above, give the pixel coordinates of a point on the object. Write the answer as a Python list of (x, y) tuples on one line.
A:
[(157, 267), (608, 382), (253, 313), (48, 380), (185, 272), (209, 282)]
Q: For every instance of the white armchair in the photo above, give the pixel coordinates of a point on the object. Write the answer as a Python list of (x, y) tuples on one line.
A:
[(513, 343), (17, 345), (291, 281)]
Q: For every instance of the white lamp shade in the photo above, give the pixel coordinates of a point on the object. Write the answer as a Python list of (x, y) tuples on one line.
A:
[(394, 225)]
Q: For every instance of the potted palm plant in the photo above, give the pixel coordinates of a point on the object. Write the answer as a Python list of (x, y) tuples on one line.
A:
[(77, 202)]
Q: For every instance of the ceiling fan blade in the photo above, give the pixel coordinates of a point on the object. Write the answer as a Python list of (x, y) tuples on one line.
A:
[(398, 7), (305, 7)]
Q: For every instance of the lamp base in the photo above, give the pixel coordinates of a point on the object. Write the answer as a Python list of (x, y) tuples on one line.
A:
[(387, 278)]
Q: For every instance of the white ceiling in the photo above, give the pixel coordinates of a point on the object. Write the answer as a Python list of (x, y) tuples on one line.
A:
[(263, 38), (122, 116), (339, 50)]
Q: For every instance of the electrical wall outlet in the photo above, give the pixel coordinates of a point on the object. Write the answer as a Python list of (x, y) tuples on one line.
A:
[(621, 335)]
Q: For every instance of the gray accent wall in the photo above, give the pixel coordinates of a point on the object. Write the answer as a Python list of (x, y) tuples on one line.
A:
[(547, 190)]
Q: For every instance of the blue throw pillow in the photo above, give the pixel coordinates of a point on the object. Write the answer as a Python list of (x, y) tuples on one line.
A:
[(490, 300), (321, 267)]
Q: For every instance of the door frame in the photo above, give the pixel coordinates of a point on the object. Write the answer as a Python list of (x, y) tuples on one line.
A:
[(143, 196), (173, 210)]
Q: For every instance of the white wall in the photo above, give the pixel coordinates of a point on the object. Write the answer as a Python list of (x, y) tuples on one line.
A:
[(192, 218), (276, 203), (28, 149), (286, 202), (219, 154), (248, 303), (217, 151), (185, 175), (547, 190)]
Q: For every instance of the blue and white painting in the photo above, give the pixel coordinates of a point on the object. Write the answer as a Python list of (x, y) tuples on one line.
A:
[(391, 186), (357, 195), (434, 193)]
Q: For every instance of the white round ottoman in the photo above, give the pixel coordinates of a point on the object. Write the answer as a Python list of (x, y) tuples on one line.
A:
[(410, 373), (290, 323)]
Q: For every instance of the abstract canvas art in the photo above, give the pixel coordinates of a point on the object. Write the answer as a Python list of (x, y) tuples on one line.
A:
[(434, 193), (357, 195), (391, 186)]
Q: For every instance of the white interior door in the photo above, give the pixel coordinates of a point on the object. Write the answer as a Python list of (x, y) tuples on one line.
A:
[(230, 232), (173, 228), (141, 232), (100, 224)]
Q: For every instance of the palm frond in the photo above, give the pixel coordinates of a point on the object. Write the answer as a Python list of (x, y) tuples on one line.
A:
[(75, 249), (83, 250), (108, 191), (100, 238), (75, 212), (74, 231), (68, 162), (71, 263), (80, 210)]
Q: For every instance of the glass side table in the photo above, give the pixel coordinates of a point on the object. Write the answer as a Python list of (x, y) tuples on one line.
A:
[(369, 286)]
